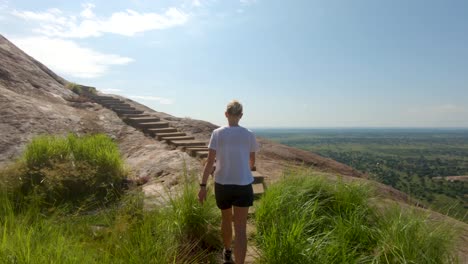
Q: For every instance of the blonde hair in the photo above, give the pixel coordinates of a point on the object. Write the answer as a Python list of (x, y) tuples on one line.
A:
[(234, 108)]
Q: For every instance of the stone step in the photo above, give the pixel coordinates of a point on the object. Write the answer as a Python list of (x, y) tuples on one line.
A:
[(192, 150), (149, 125), (170, 139), (162, 136), (119, 105), (123, 108), (256, 174), (260, 179), (102, 97), (258, 189), (202, 154), (134, 115), (184, 143), (138, 120), (114, 104), (156, 131), (126, 112), (110, 101)]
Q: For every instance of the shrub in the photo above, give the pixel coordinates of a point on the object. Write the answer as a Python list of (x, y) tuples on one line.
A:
[(76, 88), (308, 219), (93, 90), (68, 169)]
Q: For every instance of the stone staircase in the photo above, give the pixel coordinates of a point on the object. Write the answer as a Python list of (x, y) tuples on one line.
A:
[(160, 130)]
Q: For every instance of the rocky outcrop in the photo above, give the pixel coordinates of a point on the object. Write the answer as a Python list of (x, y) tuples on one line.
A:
[(34, 101)]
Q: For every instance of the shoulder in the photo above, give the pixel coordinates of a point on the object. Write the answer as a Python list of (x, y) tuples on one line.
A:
[(219, 129), (248, 131)]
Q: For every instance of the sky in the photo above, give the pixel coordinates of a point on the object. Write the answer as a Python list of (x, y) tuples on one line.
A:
[(298, 63)]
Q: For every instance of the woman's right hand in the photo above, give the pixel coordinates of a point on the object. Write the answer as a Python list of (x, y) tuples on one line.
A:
[(202, 195)]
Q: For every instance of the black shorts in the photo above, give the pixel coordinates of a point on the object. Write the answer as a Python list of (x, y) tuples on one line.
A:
[(228, 195)]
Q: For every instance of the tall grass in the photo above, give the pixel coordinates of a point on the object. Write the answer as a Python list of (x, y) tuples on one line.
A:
[(410, 235), (176, 232), (196, 222), (96, 150), (307, 219), (56, 173), (68, 169)]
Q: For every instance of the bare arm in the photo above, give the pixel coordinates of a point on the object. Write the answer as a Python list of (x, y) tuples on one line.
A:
[(206, 172), (252, 161), (209, 165)]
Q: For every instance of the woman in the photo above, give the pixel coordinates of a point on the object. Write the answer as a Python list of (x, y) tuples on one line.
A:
[(234, 148)]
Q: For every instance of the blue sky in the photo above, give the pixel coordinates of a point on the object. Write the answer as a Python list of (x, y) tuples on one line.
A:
[(330, 63)]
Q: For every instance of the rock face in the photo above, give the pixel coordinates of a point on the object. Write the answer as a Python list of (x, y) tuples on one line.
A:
[(34, 101)]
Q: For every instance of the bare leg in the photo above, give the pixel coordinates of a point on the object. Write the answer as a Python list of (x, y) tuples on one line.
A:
[(240, 227), (226, 227)]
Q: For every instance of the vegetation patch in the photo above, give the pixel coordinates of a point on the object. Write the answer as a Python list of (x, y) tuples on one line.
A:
[(56, 173), (68, 170), (80, 89), (74, 87), (175, 232), (307, 219)]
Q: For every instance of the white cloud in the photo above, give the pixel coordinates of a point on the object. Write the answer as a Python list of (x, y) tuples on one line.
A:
[(196, 3), (52, 15), (161, 100), (67, 57), (88, 11), (54, 23), (3, 4)]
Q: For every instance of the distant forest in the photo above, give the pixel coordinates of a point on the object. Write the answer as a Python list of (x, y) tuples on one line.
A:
[(406, 159)]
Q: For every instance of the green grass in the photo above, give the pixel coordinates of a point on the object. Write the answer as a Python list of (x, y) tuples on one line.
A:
[(46, 199), (307, 219), (177, 232), (74, 87), (80, 89), (67, 169)]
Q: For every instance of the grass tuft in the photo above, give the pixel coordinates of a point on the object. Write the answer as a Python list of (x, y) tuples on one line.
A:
[(74, 87), (308, 219), (67, 170)]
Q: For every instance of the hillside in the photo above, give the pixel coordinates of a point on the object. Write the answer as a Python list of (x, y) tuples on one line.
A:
[(34, 100)]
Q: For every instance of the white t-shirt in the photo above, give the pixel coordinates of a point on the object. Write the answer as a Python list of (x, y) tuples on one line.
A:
[(233, 146)]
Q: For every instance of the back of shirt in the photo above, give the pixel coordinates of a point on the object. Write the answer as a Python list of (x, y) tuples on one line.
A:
[(233, 146)]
